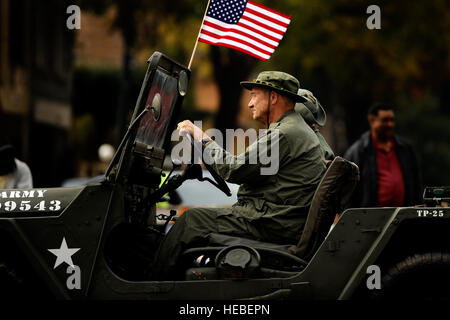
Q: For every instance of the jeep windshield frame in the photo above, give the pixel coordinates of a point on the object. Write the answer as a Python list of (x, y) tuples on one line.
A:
[(168, 79)]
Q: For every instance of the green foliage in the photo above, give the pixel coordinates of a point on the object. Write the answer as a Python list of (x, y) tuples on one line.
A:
[(332, 52), (83, 130), (95, 94), (429, 133), (349, 67)]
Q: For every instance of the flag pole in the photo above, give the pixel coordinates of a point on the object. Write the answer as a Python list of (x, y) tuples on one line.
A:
[(198, 36)]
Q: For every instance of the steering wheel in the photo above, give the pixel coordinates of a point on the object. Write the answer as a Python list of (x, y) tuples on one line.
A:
[(219, 182)]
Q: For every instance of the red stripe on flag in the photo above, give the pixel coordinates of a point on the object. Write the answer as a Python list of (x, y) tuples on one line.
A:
[(268, 9), (247, 28), (213, 35), (245, 34), (262, 25), (233, 47), (263, 16)]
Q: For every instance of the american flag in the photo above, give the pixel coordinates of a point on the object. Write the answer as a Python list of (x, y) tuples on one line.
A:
[(245, 26)]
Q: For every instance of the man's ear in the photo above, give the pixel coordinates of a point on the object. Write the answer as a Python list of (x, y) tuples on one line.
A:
[(274, 96)]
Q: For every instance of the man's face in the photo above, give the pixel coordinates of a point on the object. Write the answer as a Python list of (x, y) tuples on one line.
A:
[(383, 124), (258, 104)]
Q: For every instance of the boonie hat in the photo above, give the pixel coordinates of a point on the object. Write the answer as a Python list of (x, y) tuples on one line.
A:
[(311, 109), (278, 81)]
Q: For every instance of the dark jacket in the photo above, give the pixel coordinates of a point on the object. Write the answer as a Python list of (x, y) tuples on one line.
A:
[(363, 153)]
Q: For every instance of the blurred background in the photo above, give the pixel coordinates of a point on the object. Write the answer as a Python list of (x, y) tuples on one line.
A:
[(64, 93)]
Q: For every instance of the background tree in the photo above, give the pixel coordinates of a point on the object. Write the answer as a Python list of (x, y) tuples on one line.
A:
[(348, 66), (332, 52)]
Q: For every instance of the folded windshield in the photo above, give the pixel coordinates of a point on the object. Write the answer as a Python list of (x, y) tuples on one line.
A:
[(152, 132)]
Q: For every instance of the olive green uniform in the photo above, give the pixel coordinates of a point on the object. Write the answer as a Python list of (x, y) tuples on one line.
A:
[(271, 208), (280, 200), (328, 153), (315, 119)]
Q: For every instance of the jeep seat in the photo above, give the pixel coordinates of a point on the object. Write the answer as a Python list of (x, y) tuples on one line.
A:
[(330, 198)]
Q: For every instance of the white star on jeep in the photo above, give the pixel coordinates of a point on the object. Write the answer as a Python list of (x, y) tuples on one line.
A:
[(63, 254)]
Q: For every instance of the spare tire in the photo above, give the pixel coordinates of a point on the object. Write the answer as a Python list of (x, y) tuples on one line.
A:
[(424, 276)]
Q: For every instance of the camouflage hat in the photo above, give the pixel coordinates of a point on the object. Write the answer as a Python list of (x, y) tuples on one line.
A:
[(278, 81), (311, 109)]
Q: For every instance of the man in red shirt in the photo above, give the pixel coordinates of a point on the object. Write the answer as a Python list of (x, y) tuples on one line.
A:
[(389, 172)]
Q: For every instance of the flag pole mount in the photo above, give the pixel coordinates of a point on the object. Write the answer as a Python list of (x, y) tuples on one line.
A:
[(198, 36)]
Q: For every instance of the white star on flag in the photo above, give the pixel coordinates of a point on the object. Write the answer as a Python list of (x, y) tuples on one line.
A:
[(63, 254)]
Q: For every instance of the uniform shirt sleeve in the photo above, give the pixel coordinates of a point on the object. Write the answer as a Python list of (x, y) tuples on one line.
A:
[(263, 157)]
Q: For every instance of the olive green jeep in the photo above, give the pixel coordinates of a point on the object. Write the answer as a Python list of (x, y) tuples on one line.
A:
[(98, 241)]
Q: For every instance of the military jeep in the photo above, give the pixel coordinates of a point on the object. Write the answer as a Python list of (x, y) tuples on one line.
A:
[(98, 241)]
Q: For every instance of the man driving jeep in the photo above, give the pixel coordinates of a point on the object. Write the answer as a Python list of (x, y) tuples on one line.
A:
[(271, 208)]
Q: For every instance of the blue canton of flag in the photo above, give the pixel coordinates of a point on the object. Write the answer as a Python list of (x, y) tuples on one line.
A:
[(227, 11)]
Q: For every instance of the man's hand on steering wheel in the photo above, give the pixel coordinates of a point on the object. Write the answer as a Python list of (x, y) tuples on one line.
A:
[(195, 135), (187, 126)]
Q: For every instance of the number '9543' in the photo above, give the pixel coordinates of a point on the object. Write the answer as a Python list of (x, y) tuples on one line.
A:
[(26, 205)]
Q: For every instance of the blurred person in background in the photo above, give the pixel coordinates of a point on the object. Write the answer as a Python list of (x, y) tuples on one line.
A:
[(388, 167), (13, 172)]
